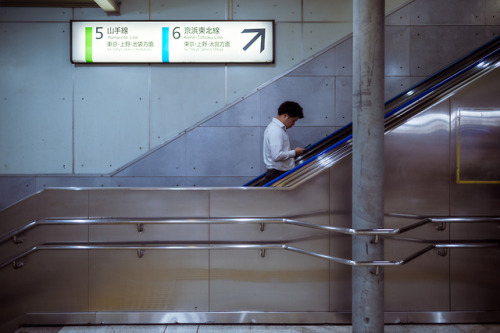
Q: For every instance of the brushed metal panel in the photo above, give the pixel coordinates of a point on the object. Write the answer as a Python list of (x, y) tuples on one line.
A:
[(315, 94), (475, 272), (102, 97), (408, 287), (397, 51), (168, 160), (434, 47), (42, 235), (341, 245), (459, 12), (15, 189), (206, 145), (279, 10), (243, 113), (417, 164), (160, 280), (242, 280), (48, 203), (308, 199), (343, 100), (343, 58), (182, 96), (149, 233), (478, 144), (474, 199), (50, 281), (320, 65), (148, 203), (196, 10)]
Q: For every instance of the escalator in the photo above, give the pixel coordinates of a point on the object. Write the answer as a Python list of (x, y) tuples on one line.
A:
[(325, 153), (94, 256)]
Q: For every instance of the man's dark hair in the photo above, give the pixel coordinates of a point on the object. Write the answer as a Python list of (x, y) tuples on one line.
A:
[(293, 109)]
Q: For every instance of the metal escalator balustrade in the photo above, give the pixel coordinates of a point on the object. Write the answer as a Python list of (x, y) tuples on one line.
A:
[(408, 104)]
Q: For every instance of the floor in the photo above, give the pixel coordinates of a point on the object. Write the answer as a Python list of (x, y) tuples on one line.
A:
[(465, 328)]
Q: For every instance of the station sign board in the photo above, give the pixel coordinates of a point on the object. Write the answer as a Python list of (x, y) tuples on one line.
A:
[(172, 41)]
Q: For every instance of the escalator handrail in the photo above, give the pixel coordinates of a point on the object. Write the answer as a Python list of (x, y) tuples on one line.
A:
[(405, 94)]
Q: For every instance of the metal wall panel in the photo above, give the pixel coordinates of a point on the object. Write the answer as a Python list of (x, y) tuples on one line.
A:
[(50, 281), (429, 12), (417, 171), (315, 94), (148, 203), (475, 198), (102, 96), (280, 281), (341, 245), (474, 273), (44, 204), (160, 280), (176, 102), (225, 151)]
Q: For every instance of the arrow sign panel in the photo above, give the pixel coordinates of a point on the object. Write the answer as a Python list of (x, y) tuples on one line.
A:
[(260, 33), (171, 42)]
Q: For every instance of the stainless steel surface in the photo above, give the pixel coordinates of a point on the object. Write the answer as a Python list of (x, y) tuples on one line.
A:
[(116, 286), (247, 317)]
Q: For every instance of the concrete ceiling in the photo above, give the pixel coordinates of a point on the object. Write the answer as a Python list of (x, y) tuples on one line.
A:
[(112, 7)]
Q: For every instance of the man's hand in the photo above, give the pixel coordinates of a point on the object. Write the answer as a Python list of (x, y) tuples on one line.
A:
[(299, 151)]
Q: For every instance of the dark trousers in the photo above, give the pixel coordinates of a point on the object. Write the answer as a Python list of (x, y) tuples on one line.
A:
[(270, 175)]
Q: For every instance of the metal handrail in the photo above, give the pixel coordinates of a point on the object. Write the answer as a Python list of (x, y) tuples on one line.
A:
[(436, 88), (348, 231), (171, 246)]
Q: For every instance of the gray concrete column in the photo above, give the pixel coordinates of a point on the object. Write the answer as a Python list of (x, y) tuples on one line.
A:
[(368, 163)]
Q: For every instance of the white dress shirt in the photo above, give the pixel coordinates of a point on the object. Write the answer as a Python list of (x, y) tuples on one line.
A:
[(277, 152)]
